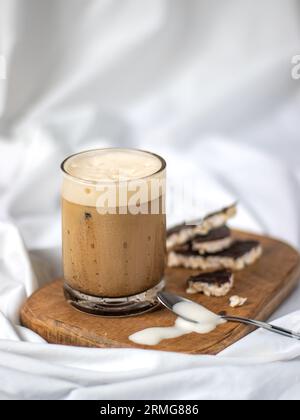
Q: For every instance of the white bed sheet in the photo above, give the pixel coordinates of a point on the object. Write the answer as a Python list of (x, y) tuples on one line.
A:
[(190, 80)]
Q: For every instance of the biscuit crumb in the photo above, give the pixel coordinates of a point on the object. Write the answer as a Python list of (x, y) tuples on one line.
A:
[(236, 301)]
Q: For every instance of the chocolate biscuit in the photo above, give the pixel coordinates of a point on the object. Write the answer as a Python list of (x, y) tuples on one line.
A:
[(237, 257), (180, 234), (216, 240), (215, 283)]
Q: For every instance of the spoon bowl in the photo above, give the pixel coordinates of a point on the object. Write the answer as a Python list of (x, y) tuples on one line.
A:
[(169, 300)]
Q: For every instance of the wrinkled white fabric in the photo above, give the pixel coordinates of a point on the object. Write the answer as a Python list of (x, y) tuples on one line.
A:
[(208, 85)]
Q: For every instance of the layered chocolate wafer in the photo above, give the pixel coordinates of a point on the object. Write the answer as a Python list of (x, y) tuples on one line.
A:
[(237, 257), (180, 234), (215, 241), (214, 283)]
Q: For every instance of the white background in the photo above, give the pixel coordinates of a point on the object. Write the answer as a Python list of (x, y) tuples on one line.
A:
[(205, 83)]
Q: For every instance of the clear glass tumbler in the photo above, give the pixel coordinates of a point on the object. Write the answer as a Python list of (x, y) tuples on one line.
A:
[(114, 230)]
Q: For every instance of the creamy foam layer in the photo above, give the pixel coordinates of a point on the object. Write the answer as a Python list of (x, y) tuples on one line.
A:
[(88, 173), (112, 165)]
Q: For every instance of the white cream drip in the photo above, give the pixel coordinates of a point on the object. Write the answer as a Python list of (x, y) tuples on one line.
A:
[(207, 321)]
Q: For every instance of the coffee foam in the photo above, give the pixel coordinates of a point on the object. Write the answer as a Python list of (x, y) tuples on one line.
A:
[(86, 174)]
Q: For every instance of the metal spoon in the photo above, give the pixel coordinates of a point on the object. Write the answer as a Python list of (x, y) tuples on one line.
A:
[(169, 300)]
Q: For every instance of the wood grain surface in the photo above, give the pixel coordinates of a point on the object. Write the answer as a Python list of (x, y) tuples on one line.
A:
[(266, 284)]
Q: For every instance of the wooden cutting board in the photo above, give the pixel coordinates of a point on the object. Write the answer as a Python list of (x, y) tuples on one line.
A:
[(266, 284)]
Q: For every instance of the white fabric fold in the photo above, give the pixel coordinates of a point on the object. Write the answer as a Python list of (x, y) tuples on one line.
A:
[(254, 368), (206, 84)]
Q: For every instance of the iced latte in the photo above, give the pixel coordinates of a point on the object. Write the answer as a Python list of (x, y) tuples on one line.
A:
[(113, 213)]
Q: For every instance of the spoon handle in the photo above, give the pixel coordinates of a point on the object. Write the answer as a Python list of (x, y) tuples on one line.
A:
[(264, 325)]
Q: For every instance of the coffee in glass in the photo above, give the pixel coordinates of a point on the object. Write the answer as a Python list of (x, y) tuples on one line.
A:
[(114, 227)]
